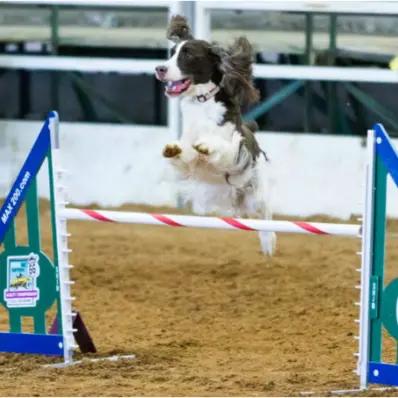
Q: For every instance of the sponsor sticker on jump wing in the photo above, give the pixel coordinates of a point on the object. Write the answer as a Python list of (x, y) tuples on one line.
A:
[(22, 273)]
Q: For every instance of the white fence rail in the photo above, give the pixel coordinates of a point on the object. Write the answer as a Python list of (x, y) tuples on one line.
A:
[(147, 66), (320, 6), (202, 26)]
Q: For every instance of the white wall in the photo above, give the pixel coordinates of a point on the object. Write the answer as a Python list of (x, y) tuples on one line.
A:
[(108, 165), (111, 165)]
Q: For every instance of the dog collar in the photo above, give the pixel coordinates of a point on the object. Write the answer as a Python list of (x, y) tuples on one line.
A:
[(208, 95)]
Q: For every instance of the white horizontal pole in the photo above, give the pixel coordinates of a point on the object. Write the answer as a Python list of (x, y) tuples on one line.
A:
[(326, 73), (297, 227), (320, 6), (81, 64), (349, 7), (138, 66)]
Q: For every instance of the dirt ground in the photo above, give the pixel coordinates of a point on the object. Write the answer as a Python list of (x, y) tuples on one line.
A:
[(205, 313)]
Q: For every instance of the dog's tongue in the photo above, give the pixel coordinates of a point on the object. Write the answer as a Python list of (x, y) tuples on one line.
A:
[(177, 86)]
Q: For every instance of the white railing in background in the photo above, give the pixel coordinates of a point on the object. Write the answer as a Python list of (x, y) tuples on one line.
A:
[(81, 64), (202, 27), (202, 24), (326, 73), (326, 6), (143, 66)]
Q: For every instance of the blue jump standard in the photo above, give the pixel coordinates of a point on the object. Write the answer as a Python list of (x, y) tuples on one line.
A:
[(28, 172), (383, 373), (386, 151), (27, 343)]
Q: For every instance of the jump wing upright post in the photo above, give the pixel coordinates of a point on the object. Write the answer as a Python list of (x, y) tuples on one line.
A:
[(366, 260), (60, 242), (379, 303)]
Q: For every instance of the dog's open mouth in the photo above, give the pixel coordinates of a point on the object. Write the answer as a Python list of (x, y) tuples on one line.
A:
[(177, 87)]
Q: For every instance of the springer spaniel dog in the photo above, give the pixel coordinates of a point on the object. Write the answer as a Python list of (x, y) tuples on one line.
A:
[(217, 153)]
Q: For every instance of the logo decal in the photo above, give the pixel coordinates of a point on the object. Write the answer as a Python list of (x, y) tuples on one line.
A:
[(22, 273)]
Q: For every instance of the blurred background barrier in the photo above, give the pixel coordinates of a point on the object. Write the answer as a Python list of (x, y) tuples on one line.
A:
[(321, 68)]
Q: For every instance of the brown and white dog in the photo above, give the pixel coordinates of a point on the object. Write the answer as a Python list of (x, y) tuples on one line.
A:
[(217, 153)]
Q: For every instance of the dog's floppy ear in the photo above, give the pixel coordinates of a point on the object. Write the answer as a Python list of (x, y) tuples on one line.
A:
[(179, 29), (237, 69), (218, 51)]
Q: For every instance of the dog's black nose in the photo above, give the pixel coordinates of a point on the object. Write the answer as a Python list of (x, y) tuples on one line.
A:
[(161, 70)]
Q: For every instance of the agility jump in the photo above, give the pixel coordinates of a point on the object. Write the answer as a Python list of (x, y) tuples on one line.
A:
[(242, 224), (47, 281)]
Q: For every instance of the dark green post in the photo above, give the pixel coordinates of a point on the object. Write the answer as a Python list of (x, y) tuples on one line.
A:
[(308, 61), (54, 30), (54, 21), (377, 272), (332, 92)]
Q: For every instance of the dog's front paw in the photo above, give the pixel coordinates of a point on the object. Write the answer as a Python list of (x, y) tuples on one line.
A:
[(171, 150), (203, 149)]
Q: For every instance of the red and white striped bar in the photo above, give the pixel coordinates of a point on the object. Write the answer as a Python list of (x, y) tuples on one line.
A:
[(173, 220)]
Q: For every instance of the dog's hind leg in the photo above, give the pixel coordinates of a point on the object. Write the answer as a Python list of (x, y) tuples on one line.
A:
[(264, 206), (258, 203), (267, 241), (255, 205)]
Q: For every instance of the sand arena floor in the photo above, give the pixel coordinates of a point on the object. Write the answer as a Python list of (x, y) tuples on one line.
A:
[(205, 313)]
